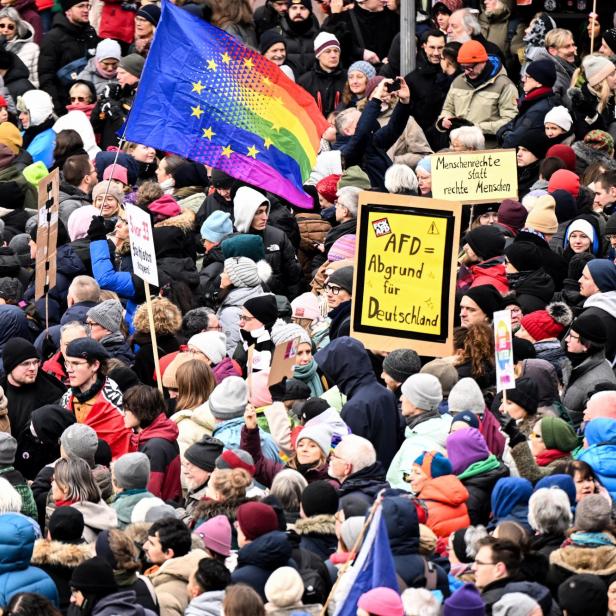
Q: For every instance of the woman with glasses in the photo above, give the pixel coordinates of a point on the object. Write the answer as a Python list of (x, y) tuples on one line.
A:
[(82, 97), (20, 40)]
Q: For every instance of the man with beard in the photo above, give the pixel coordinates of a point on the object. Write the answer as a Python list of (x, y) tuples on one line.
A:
[(299, 27), (464, 26), (26, 387)]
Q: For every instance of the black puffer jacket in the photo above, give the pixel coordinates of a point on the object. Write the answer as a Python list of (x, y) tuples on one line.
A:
[(533, 291), (364, 485), (17, 78), (326, 88), (479, 492), (299, 39)]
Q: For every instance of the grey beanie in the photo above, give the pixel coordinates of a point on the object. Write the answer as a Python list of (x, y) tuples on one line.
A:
[(242, 272), (514, 604), (8, 447), (107, 314), (159, 512), (285, 332), (350, 530), (343, 277), (133, 63), (80, 441), (423, 390), (321, 434), (229, 399), (132, 471), (593, 514), (401, 363), (466, 395)]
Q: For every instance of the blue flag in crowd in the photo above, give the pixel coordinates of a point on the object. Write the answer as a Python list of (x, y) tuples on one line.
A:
[(374, 566)]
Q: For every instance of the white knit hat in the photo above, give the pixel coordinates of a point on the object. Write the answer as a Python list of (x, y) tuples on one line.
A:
[(597, 68), (560, 116), (212, 344), (323, 41), (466, 395), (285, 332), (284, 587), (38, 104), (108, 49)]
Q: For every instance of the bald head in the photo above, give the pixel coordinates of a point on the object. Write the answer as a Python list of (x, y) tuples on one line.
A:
[(601, 404)]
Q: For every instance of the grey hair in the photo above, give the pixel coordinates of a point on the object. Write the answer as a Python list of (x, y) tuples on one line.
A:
[(196, 320), (472, 537), (359, 452), (75, 476), (75, 325), (287, 487), (401, 179), (10, 499), (21, 25), (420, 602), (344, 118), (549, 511), (348, 197), (471, 137), (470, 21)]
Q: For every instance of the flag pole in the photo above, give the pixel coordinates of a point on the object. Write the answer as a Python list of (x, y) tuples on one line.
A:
[(352, 556), (592, 27), (148, 300)]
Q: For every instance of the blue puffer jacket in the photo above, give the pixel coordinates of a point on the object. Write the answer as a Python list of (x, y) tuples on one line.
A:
[(17, 537), (600, 434), (230, 433), (41, 148)]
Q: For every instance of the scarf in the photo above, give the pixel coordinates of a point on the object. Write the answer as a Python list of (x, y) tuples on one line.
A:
[(86, 108), (478, 468), (592, 539), (105, 73), (84, 396), (64, 503), (308, 375), (533, 95), (414, 421), (549, 455), (168, 186), (577, 358)]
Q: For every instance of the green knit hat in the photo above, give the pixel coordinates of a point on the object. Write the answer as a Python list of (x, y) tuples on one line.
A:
[(354, 176), (558, 434)]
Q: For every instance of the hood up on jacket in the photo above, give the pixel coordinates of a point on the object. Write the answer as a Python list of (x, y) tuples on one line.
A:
[(245, 204), (162, 427), (268, 551), (508, 493), (402, 524), (465, 447)]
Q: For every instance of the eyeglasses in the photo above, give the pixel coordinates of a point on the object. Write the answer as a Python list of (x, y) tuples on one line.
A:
[(333, 456), (91, 323), (217, 328), (467, 67), (74, 364), (334, 290), (573, 336), (30, 363), (246, 318), (478, 563), (8, 26), (78, 99)]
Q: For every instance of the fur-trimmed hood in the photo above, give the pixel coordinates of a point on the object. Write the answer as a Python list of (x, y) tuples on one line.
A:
[(316, 525), (56, 553), (184, 221), (596, 561), (207, 509), (589, 155)]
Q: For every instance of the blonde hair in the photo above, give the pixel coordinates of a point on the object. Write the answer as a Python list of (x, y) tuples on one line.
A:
[(557, 38), (195, 382), (167, 317), (231, 483)]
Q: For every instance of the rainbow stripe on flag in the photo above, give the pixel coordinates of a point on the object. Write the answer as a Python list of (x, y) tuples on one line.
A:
[(207, 97)]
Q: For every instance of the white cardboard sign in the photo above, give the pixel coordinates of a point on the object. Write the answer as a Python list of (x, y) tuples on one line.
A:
[(142, 244)]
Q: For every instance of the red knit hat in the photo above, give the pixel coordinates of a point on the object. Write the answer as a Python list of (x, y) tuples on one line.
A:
[(512, 213), (328, 186), (472, 52), (256, 519), (548, 323), (565, 153), (565, 180)]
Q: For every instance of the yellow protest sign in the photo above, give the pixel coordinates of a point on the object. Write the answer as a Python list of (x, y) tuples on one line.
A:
[(404, 288), (485, 176)]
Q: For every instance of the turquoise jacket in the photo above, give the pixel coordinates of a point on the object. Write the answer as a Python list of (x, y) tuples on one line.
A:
[(41, 147), (229, 432)]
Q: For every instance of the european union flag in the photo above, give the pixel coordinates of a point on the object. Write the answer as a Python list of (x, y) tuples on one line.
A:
[(207, 97)]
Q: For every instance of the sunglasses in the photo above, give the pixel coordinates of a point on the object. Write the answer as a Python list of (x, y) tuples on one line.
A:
[(8, 26), (78, 99)]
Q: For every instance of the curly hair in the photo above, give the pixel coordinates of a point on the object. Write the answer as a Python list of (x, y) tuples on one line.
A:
[(478, 348), (231, 483), (148, 192), (167, 317), (124, 550)]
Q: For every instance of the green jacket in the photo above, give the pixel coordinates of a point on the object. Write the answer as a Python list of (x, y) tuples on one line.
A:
[(125, 502), (16, 479)]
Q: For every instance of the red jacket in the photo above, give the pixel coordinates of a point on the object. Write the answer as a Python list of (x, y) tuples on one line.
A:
[(445, 497), (490, 272), (116, 22)]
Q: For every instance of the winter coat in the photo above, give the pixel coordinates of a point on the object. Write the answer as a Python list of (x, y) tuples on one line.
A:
[(428, 435), (124, 503), (104, 415), (158, 441), (411, 146), (489, 106), (495, 28), (257, 560), (326, 88), (603, 306), (71, 198), (553, 264), (193, 425), (371, 410), (527, 465), (586, 115), (600, 433), (144, 367), (97, 517), (445, 498), (27, 51), (115, 344), (300, 46), (491, 272), (206, 604), (229, 432), (318, 535), (58, 560), (64, 43), (479, 486), (533, 291), (312, 228), (340, 320), (117, 21), (90, 74), (364, 484), (17, 79), (564, 73), (17, 536), (120, 603)]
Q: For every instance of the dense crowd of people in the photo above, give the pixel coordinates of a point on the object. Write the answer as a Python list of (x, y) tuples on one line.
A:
[(223, 489)]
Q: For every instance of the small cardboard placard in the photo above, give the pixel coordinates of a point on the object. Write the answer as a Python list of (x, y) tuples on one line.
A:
[(283, 361), (47, 233)]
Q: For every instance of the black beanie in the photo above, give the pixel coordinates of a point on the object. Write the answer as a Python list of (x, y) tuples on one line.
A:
[(305, 3), (268, 39), (294, 389), (486, 297), (220, 179), (522, 349), (524, 256), (543, 71), (12, 195), (319, 498), (566, 208), (577, 264), (313, 407), (610, 225), (536, 142), (264, 308), (590, 328), (486, 241), (94, 577), (204, 453), (15, 351), (124, 377), (525, 395), (66, 525), (458, 543)]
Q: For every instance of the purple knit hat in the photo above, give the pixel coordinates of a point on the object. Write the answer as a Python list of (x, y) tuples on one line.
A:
[(342, 248), (465, 447)]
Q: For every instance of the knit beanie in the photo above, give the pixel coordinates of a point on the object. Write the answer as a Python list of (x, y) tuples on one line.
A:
[(548, 323), (236, 458), (487, 241), (15, 351), (107, 314), (80, 441), (601, 141), (543, 71), (133, 63), (565, 152), (264, 308), (243, 245), (590, 329), (312, 408), (79, 221), (565, 180), (244, 272), (444, 371), (514, 604), (217, 226), (542, 217), (466, 601), (116, 172), (66, 525), (327, 187), (381, 601), (256, 519), (216, 534), (472, 52), (401, 364), (486, 297), (433, 464), (321, 434), (424, 391), (343, 277), (581, 593), (342, 248), (603, 272), (583, 225), (597, 68), (354, 176), (204, 453), (536, 142), (323, 41), (319, 498), (525, 394), (558, 115), (132, 471), (212, 344), (593, 514), (8, 448), (284, 588), (610, 225), (465, 447), (512, 213), (150, 12), (11, 137), (94, 577), (364, 67), (170, 372), (108, 49), (466, 396), (306, 306), (466, 417), (285, 332), (229, 398), (558, 434), (524, 256), (566, 208), (270, 38)]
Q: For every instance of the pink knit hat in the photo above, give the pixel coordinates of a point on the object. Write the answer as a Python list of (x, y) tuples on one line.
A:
[(381, 602), (79, 221), (342, 248), (306, 306), (216, 534), (258, 388), (118, 173)]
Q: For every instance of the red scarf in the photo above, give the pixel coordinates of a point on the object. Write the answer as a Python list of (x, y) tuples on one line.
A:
[(533, 94), (65, 503), (549, 455), (87, 109)]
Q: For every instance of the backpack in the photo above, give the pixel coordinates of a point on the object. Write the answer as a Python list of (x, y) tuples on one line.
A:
[(315, 590)]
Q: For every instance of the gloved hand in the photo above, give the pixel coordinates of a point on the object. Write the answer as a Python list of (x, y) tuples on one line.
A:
[(278, 390), (97, 230), (515, 436)]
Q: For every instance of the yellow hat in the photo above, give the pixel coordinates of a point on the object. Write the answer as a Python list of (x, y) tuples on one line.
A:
[(11, 137), (542, 217)]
